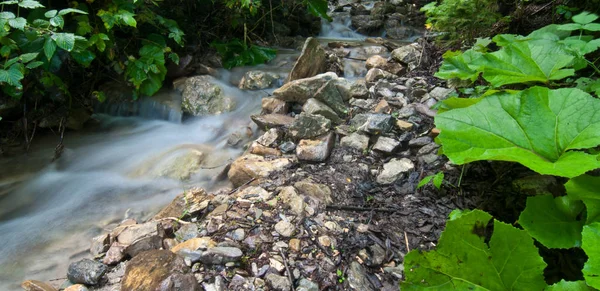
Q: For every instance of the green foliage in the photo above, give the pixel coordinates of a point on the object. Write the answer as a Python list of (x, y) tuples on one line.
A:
[(591, 269), (317, 8), (464, 260), (436, 180), (236, 53), (462, 20)]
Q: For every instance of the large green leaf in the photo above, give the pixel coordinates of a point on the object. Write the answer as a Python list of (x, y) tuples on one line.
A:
[(17, 23), (49, 47), (30, 4), (12, 76), (538, 127), (459, 65), (587, 189), (463, 260), (64, 41), (524, 61), (591, 269), (544, 221), (318, 8), (569, 286)]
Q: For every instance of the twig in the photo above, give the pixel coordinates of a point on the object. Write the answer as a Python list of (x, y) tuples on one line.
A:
[(238, 188), (406, 242), (358, 208), (174, 218), (287, 268), (355, 59)]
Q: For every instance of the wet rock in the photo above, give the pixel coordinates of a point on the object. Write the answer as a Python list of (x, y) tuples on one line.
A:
[(190, 202), (357, 278), (115, 254), (255, 80), (158, 270), (376, 61), (309, 125), (440, 93), (307, 285), (311, 61), (271, 120), (330, 95), (252, 166), (355, 141), (373, 123), (375, 74), (279, 283), (274, 105), (35, 285), (302, 89), (386, 145), (367, 24), (202, 95), (316, 150), (194, 244), (285, 228), (316, 107), (320, 192), (86, 271), (394, 170), (287, 147), (221, 255), (408, 55)]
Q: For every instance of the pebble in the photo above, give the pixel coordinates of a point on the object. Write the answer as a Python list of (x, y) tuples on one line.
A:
[(420, 141), (295, 245), (285, 228), (277, 265)]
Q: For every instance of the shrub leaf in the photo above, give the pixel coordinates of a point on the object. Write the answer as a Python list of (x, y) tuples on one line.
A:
[(591, 269)]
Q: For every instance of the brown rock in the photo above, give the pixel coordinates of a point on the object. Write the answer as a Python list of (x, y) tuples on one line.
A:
[(300, 90), (261, 150), (383, 107), (115, 254), (194, 244), (434, 132), (34, 285), (272, 120), (76, 287), (375, 61), (311, 61), (252, 166), (404, 125), (274, 105), (100, 244), (316, 150), (295, 245), (158, 270), (320, 192)]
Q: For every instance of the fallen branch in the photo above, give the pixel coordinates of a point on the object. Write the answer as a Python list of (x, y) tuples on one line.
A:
[(287, 268), (358, 208)]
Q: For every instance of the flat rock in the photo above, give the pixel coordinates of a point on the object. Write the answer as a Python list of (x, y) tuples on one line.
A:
[(221, 255), (194, 244), (373, 123), (115, 254), (386, 145), (86, 271), (279, 283), (394, 170), (250, 166), (309, 125), (311, 61), (272, 120), (356, 141), (302, 89), (35, 285), (274, 105), (316, 107), (158, 270), (330, 95), (316, 150)]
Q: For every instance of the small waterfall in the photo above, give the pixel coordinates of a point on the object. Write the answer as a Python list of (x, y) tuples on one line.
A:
[(165, 105)]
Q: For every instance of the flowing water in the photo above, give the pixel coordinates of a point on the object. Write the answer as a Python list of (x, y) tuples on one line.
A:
[(127, 165)]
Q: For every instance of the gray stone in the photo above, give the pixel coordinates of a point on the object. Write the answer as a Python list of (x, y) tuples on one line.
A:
[(314, 106), (440, 93), (386, 145), (238, 234), (221, 255), (302, 89), (429, 158), (285, 228), (394, 170), (367, 24), (316, 150), (307, 285), (330, 95), (377, 256), (287, 147), (279, 283), (187, 231), (420, 141), (357, 278), (355, 141), (202, 95), (256, 80), (408, 55), (373, 123), (271, 120), (309, 125), (86, 271), (311, 61), (269, 138), (428, 149)]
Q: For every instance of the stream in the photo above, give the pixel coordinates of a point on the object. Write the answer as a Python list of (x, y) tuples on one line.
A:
[(121, 167)]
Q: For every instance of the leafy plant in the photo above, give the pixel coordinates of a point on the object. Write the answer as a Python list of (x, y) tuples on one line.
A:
[(461, 20), (436, 180), (236, 53)]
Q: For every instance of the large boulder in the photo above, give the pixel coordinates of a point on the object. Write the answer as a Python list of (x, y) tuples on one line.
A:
[(311, 62), (302, 89), (251, 166), (158, 270), (203, 95)]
